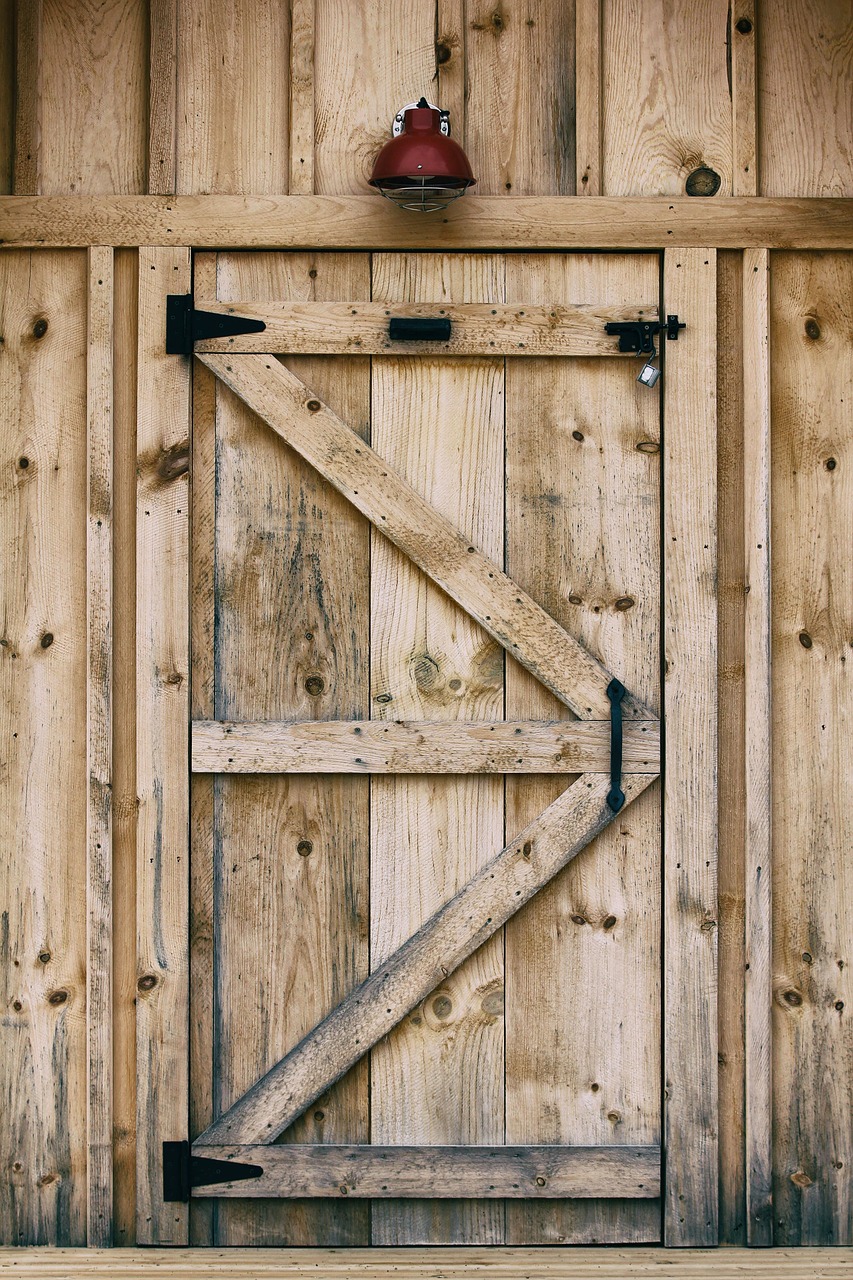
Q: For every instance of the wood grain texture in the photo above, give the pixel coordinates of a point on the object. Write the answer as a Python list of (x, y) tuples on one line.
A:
[(7, 95), (486, 223), (588, 86), (162, 686), (92, 107), (583, 502), (302, 134), (519, 127), (369, 60), (436, 1264), (812, 629), (478, 329), (436, 546), (26, 88), (690, 804), (744, 71), (232, 98), (99, 764), (426, 1172), (805, 108), (440, 425), (422, 963), (43, 735), (731, 721), (291, 855), (757, 752), (124, 805), (667, 107), (162, 95), (418, 746)]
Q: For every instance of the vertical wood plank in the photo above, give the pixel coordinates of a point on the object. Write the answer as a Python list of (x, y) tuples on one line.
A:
[(583, 517), (124, 804), (162, 96), (7, 96), (742, 38), (28, 107), (232, 113), (666, 103), (291, 854), (438, 1078), (812, 390), (588, 97), (690, 790), (301, 97), (520, 64), (162, 595), (43, 744), (731, 721), (99, 566), (451, 64), (758, 762), (805, 107)]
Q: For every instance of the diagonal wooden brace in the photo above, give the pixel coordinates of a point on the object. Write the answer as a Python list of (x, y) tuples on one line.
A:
[(423, 962), (476, 583)]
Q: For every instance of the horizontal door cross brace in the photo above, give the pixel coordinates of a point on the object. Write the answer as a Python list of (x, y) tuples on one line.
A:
[(399, 512), (423, 962), (296, 1170), (420, 746)]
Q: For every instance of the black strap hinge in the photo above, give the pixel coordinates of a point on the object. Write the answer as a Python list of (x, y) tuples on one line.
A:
[(182, 1171), (638, 336), (185, 325)]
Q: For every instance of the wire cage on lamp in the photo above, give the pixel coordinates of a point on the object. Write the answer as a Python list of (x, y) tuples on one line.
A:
[(422, 167)]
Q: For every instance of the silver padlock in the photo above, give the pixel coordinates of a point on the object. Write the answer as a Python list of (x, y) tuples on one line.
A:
[(649, 374)]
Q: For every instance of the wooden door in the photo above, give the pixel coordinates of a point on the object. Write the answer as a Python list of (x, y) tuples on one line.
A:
[(391, 728)]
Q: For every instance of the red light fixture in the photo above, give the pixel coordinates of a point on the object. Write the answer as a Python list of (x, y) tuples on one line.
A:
[(422, 167)]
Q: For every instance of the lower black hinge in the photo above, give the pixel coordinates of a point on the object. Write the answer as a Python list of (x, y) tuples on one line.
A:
[(182, 1171), (185, 325)]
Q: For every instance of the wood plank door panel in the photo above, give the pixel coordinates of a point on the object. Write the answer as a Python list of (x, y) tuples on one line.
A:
[(548, 1036)]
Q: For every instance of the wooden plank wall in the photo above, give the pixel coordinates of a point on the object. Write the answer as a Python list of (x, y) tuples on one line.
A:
[(114, 96)]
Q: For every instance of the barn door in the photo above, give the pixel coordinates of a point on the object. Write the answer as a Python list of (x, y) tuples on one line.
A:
[(426, 991)]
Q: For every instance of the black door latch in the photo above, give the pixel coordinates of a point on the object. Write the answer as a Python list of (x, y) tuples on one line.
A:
[(182, 1171), (185, 325), (419, 329), (638, 336)]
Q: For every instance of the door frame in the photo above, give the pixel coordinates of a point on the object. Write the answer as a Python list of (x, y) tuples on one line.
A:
[(689, 957)]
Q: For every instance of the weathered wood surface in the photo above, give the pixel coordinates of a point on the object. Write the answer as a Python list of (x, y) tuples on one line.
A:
[(43, 791), (416, 968), (478, 329), (588, 97), (427, 1172), (582, 1069), (418, 746), (435, 545), (690, 806), (290, 855), (811, 337), (302, 97), (433, 1264), (484, 223), (744, 70), (99, 764), (162, 688), (162, 95), (758, 727)]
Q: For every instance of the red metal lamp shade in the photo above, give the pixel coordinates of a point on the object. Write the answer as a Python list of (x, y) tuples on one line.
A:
[(422, 167)]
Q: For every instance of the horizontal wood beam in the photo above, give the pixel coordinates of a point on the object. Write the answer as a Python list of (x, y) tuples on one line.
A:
[(477, 329), (399, 512), (419, 746), (501, 223), (296, 1171), (423, 962)]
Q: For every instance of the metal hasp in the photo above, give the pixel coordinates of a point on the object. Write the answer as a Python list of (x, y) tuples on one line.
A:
[(182, 1171), (638, 336), (615, 796), (185, 325), (418, 329)]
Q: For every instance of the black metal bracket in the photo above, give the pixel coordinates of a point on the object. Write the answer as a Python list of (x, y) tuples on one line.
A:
[(615, 796), (419, 329), (638, 336), (182, 1171), (185, 325)]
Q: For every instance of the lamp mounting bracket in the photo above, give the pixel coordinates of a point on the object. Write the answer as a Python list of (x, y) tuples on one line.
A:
[(398, 124)]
